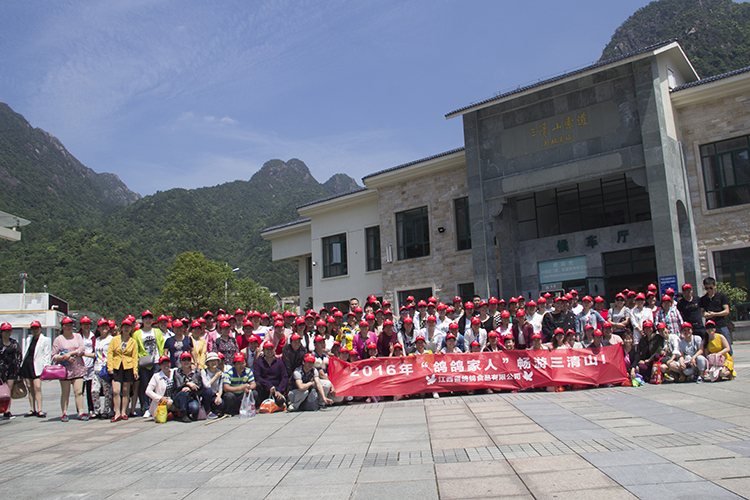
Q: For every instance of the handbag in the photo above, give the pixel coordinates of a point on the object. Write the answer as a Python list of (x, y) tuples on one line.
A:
[(104, 374), (247, 408), (201, 414), (160, 416), (4, 398), (717, 360), (19, 390), (270, 406), (53, 372), (147, 361)]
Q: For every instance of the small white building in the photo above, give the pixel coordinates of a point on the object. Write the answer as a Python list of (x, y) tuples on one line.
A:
[(20, 309)]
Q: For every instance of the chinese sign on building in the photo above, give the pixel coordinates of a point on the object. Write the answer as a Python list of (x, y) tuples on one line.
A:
[(562, 270), (577, 125)]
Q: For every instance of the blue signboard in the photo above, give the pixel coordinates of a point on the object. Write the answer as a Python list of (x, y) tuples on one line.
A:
[(667, 282), (562, 270)]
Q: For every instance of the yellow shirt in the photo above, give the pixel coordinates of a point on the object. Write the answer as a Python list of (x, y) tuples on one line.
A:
[(715, 346)]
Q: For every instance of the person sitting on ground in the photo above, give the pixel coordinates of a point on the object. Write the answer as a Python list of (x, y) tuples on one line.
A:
[(631, 355), (718, 345), (649, 349), (670, 353), (238, 381), (271, 375), (691, 361), (213, 383), (159, 387), (306, 387), (186, 386), (536, 343), (386, 339)]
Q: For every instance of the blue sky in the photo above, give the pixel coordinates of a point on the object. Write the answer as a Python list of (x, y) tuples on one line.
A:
[(188, 94)]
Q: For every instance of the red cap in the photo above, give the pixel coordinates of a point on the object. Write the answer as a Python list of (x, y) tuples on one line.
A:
[(453, 326), (350, 313), (239, 357), (640, 296), (587, 298), (419, 337), (162, 317), (653, 287), (309, 358), (457, 299), (338, 314), (685, 325), (422, 303), (661, 325), (202, 321), (67, 320), (536, 336), (687, 286), (278, 323), (102, 321), (606, 324), (398, 345), (588, 327), (493, 333), (85, 319), (330, 319), (387, 323), (431, 318), (363, 324), (476, 321), (112, 323), (410, 298), (710, 322), (320, 322), (195, 324), (185, 355), (239, 311), (531, 303), (408, 319), (648, 323), (371, 299), (560, 331), (6, 326), (35, 324), (319, 338), (669, 290), (268, 343), (372, 345), (541, 300), (224, 324), (474, 343), (450, 336), (513, 300), (299, 321), (221, 355), (505, 314), (666, 298), (253, 338), (520, 313), (126, 321), (369, 316), (295, 336), (147, 313), (335, 343), (598, 333), (163, 359), (247, 322), (177, 323), (469, 305), (493, 300)]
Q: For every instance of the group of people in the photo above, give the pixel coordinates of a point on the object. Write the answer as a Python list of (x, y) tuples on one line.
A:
[(204, 367)]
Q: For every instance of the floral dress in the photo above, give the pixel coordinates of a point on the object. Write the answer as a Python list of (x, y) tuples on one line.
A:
[(10, 361), (227, 347)]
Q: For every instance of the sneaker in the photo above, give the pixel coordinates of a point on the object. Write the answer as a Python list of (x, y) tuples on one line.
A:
[(290, 407), (212, 415), (64, 418), (83, 417), (668, 377), (9, 415), (699, 380), (147, 414)]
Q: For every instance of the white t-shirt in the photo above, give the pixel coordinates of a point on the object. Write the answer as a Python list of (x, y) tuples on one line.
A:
[(102, 346), (536, 321), (149, 342)]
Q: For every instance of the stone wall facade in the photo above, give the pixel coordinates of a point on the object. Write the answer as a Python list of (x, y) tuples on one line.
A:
[(446, 267), (700, 124)]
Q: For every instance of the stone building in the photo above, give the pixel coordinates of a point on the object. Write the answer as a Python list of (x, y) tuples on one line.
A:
[(588, 180)]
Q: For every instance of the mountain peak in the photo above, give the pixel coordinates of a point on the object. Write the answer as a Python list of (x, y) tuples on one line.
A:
[(340, 183), (281, 171)]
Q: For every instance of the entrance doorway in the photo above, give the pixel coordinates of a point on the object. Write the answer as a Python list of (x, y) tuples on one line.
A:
[(633, 269)]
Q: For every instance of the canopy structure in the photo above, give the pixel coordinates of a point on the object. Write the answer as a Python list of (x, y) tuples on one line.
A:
[(9, 225)]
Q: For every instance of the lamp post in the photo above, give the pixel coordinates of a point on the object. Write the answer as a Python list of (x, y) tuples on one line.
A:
[(23, 277), (226, 286)]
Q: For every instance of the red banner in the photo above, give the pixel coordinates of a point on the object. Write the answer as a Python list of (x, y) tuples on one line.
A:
[(521, 369)]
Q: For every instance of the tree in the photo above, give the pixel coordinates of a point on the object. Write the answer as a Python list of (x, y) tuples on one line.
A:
[(195, 285), (249, 295)]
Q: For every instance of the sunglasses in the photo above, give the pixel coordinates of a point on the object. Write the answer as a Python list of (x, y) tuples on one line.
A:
[(709, 288)]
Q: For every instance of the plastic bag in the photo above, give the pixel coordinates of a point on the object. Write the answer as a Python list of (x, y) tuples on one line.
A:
[(247, 407), (19, 390), (656, 375), (160, 417)]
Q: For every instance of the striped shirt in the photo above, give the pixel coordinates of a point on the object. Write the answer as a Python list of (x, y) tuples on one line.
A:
[(232, 379)]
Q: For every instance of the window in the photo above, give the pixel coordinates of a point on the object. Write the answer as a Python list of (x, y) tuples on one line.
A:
[(589, 205), (629, 262), (418, 294), (341, 305), (466, 291), (733, 267), (463, 225), (309, 272), (726, 172), (334, 256), (412, 233), (372, 245)]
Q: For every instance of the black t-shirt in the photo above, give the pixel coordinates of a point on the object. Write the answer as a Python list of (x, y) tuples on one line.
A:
[(715, 304), (690, 311)]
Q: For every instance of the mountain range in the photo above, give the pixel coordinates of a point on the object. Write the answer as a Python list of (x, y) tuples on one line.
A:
[(104, 248)]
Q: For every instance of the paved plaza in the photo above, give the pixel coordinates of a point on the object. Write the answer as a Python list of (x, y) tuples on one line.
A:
[(677, 441)]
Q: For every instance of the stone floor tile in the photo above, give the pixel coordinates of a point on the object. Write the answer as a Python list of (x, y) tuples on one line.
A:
[(653, 474), (488, 487), (683, 491), (461, 470), (566, 480), (403, 490)]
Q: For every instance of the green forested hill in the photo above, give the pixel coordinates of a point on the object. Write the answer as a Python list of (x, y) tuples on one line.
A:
[(103, 248), (715, 34)]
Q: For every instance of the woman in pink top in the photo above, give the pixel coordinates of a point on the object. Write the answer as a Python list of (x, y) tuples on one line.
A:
[(67, 350)]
